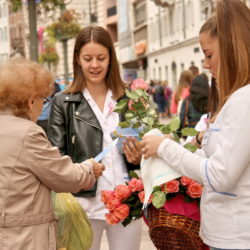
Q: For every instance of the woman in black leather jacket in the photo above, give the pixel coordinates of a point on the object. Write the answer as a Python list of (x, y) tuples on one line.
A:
[(80, 125)]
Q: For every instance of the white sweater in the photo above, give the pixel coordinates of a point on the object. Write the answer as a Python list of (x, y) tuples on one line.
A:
[(223, 167)]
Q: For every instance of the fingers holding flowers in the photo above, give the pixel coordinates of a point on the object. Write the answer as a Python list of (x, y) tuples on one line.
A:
[(132, 150), (150, 145)]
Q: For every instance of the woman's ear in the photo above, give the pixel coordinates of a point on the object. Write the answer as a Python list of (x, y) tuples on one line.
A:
[(31, 101)]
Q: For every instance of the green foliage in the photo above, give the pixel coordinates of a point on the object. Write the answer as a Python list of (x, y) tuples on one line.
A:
[(159, 199), (46, 4), (49, 55), (65, 28)]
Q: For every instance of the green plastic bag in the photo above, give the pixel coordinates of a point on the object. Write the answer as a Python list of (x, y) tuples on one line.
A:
[(74, 231)]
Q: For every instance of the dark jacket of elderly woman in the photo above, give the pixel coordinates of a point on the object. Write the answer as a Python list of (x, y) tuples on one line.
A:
[(30, 167)]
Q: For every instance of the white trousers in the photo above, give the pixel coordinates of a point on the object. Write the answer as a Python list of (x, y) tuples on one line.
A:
[(119, 237)]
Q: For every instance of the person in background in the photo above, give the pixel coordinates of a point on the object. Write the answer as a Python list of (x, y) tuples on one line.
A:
[(222, 165), (194, 70), (181, 92), (168, 94), (80, 125), (44, 116), (159, 98), (30, 167), (195, 105)]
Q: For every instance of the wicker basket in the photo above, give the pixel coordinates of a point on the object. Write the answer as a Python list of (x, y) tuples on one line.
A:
[(171, 232)]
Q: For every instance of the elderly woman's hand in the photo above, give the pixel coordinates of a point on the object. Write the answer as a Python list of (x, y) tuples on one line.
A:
[(98, 168), (132, 150), (150, 145)]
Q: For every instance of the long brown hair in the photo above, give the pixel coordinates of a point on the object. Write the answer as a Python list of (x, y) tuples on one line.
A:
[(113, 78), (231, 26), (185, 80)]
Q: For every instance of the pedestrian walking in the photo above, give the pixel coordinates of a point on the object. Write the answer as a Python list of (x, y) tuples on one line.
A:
[(80, 125), (222, 165)]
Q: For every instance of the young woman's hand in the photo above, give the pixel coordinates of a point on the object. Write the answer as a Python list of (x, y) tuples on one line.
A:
[(132, 150), (150, 144)]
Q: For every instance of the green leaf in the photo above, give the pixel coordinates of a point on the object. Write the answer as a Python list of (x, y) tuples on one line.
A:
[(121, 106), (148, 120), (176, 137), (190, 147), (151, 112), (159, 199), (127, 221), (165, 129), (133, 174), (136, 125), (139, 92), (189, 132), (131, 94), (124, 124), (174, 123), (129, 115), (156, 188)]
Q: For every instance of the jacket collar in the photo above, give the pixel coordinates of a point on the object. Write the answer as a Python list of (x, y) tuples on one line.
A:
[(83, 111)]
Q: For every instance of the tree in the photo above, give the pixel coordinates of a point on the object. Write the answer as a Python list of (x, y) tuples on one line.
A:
[(64, 29), (32, 4)]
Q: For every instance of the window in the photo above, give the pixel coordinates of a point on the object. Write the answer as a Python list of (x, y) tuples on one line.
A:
[(166, 72), (140, 13)]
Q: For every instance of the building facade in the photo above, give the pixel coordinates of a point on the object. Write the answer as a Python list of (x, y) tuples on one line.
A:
[(4, 31)]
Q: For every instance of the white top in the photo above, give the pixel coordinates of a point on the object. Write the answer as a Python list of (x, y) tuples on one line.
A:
[(224, 170), (115, 172)]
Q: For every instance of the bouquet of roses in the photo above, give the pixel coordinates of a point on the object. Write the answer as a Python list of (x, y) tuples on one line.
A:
[(125, 202)]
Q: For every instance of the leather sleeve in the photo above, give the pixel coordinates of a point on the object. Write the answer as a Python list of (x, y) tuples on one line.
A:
[(57, 124)]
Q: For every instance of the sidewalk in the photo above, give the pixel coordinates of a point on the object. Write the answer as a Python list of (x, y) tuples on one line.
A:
[(146, 243)]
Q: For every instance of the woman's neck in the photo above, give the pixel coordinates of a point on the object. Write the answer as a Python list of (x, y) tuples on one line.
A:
[(98, 93)]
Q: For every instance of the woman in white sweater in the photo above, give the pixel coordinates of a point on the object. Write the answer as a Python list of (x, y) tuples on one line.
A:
[(222, 164)]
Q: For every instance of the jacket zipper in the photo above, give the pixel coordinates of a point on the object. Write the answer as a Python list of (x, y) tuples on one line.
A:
[(87, 122)]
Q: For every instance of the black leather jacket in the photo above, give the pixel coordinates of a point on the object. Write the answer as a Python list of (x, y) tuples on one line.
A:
[(75, 130)]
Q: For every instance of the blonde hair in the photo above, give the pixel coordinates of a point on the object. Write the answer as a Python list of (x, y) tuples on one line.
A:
[(19, 79), (231, 26)]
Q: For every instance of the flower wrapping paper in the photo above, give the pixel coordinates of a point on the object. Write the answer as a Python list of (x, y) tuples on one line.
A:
[(155, 172)]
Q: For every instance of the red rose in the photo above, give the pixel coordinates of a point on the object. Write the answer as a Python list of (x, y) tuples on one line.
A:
[(111, 219), (107, 195), (121, 211), (122, 192), (194, 190), (185, 181), (171, 186), (136, 185), (141, 196)]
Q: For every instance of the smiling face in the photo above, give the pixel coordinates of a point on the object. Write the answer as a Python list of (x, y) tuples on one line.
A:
[(94, 61), (210, 49)]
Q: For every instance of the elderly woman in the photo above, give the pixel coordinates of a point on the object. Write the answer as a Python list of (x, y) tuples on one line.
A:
[(30, 167)]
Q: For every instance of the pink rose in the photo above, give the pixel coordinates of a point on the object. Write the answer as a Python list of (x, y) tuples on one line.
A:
[(107, 195), (111, 219), (122, 192), (141, 196), (171, 186), (121, 211), (185, 181), (130, 103), (111, 204), (194, 190), (139, 84), (136, 185)]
